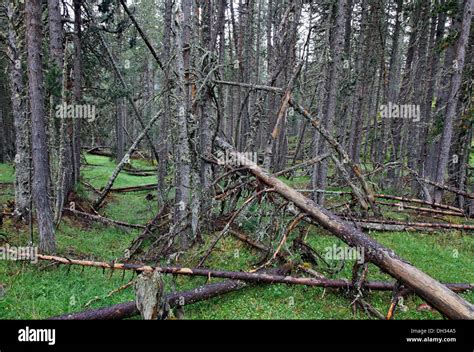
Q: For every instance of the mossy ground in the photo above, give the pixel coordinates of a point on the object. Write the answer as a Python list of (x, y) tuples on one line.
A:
[(40, 291)]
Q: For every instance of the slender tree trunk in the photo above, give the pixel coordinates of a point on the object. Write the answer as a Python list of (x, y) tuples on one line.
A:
[(458, 66), (183, 155), (64, 177), (120, 117), (337, 42), (19, 110), (77, 89), (34, 37), (163, 134)]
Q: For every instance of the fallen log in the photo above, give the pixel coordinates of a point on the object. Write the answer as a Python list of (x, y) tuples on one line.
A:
[(89, 149), (402, 207), (369, 226), (129, 309), (419, 201), (255, 277), (134, 189), (138, 173), (412, 224), (100, 152), (115, 312), (103, 220), (435, 293)]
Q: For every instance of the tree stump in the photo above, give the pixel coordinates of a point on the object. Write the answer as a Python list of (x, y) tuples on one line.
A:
[(149, 296)]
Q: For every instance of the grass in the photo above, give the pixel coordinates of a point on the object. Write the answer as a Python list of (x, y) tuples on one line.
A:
[(6, 183), (40, 291)]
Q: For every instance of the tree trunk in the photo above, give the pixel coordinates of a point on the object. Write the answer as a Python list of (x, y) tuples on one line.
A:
[(77, 90), (336, 42), (458, 66), (17, 91), (38, 127), (183, 155)]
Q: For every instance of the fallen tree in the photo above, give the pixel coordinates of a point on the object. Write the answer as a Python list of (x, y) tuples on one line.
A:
[(402, 207), (134, 188), (103, 220), (435, 293), (412, 224), (100, 151), (176, 299), (419, 201), (129, 309), (370, 226), (255, 277)]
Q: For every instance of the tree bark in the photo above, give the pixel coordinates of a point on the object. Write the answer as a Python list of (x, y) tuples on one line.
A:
[(21, 123), (453, 98), (38, 127), (77, 89), (336, 43)]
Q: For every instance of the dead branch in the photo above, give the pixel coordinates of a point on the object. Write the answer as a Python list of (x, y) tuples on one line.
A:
[(103, 220), (419, 201)]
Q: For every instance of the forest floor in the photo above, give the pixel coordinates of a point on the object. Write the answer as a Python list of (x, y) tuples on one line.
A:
[(38, 291)]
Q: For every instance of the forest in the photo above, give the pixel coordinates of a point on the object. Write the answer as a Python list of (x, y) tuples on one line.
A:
[(236, 159)]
